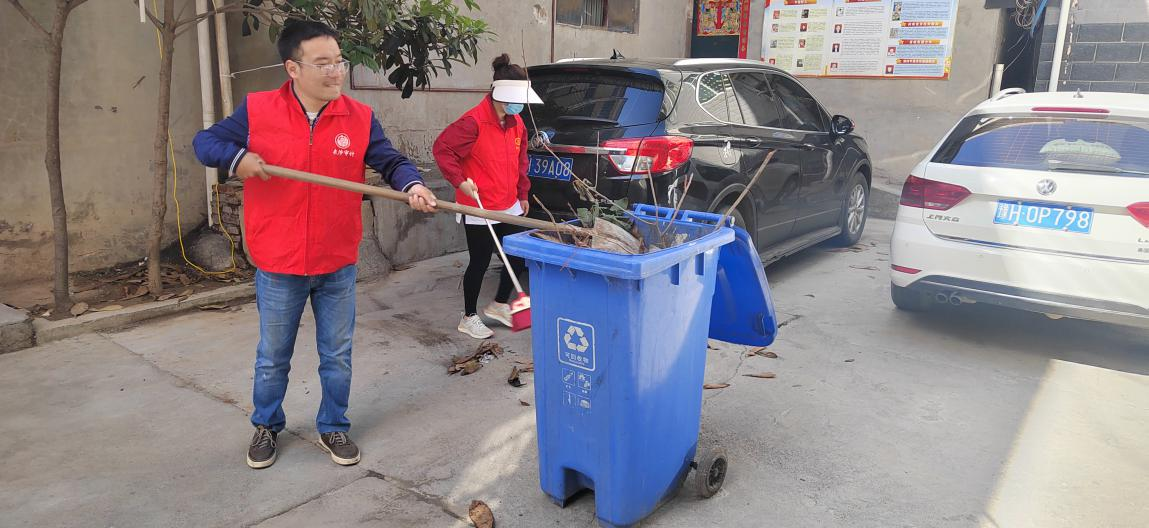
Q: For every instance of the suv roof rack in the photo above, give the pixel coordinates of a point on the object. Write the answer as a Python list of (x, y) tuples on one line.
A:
[(703, 62), (577, 59)]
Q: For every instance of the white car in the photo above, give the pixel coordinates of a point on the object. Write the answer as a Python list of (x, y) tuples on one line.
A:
[(1038, 202)]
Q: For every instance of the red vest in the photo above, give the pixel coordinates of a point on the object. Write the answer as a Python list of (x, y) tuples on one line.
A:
[(301, 228), (493, 163)]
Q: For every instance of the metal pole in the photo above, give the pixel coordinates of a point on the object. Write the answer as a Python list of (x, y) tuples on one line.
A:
[(207, 91), (1059, 46), (995, 81)]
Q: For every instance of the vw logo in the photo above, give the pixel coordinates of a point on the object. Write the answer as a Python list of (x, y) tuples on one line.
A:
[(541, 139), (1046, 187)]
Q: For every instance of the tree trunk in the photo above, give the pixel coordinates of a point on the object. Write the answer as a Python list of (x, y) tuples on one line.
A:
[(60, 290), (160, 151)]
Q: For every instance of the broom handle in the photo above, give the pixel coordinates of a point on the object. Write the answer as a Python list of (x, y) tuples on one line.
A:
[(400, 196), (506, 262)]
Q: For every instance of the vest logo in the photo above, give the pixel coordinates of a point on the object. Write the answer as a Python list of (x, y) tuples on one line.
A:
[(342, 141)]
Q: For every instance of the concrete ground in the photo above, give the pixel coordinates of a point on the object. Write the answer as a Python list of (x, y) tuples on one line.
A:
[(966, 417)]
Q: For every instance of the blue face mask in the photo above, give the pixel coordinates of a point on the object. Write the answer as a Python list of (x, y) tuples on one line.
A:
[(513, 108)]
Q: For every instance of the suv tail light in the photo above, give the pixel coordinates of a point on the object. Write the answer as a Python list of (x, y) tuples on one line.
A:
[(929, 194), (654, 154), (1140, 211)]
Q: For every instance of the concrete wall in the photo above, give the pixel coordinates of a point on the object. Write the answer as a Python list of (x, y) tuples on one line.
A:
[(903, 119), (108, 114), (1106, 48), (521, 27)]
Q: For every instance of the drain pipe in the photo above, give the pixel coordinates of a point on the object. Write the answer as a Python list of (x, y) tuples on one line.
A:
[(221, 48), (1059, 46), (207, 92)]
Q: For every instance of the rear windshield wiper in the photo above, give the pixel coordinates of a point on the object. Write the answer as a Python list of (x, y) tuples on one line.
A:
[(1058, 165), (587, 119)]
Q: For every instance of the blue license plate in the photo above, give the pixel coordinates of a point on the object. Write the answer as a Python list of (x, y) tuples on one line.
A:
[(1044, 216), (550, 167)]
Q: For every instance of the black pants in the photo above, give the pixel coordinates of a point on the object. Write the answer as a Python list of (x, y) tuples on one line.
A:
[(481, 246)]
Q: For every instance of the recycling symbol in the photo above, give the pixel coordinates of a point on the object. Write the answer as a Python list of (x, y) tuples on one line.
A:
[(575, 339)]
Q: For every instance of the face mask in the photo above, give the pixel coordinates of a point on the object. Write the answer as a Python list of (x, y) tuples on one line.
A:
[(513, 108)]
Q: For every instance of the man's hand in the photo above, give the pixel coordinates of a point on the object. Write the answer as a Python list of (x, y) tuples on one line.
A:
[(420, 198), (468, 187), (251, 165), (526, 205)]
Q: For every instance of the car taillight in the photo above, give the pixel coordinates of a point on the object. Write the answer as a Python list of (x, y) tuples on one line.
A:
[(1140, 211), (651, 154), (929, 194), (903, 269)]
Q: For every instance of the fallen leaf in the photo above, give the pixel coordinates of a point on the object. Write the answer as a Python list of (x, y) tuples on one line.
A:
[(708, 347), (810, 295), (764, 375), (471, 367), (481, 515), (108, 308), (871, 268), (402, 267), (78, 309), (213, 307), (513, 379), (524, 404), (186, 292), (184, 279), (140, 291), (165, 296), (715, 386), (761, 351), (526, 366), (849, 361)]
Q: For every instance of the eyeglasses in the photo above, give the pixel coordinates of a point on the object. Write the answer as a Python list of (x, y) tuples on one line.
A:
[(335, 68)]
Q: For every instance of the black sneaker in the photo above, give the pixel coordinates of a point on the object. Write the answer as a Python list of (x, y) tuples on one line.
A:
[(343, 451), (262, 451)]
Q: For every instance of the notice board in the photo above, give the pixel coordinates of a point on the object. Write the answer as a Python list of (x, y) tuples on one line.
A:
[(887, 39)]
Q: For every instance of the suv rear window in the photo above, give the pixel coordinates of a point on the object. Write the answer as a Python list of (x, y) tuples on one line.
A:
[(597, 99), (1103, 145)]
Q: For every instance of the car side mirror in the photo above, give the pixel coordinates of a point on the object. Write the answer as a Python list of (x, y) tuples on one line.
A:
[(841, 125)]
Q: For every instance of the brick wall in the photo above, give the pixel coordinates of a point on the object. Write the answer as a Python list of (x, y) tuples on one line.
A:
[(1111, 57)]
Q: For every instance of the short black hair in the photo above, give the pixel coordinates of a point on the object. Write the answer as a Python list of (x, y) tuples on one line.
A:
[(295, 32)]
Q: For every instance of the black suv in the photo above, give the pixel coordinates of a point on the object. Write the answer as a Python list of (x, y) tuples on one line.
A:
[(621, 124)]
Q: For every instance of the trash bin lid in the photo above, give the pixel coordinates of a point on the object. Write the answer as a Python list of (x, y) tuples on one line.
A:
[(743, 311)]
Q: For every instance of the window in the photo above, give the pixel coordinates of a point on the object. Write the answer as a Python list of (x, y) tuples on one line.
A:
[(1043, 143), (756, 101), (597, 99), (717, 98), (615, 15), (800, 110)]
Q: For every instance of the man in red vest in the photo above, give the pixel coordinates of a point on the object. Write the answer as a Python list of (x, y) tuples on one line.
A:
[(304, 238)]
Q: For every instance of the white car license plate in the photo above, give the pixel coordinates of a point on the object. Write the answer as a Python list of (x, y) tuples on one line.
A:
[(1044, 216)]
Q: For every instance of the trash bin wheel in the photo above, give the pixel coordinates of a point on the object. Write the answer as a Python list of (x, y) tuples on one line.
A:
[(710, 472)]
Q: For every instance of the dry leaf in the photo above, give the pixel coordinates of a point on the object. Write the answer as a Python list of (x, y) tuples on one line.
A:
[(213, 307), (108, 308), (140, 291), (184, 279), (715, 386), (871, 268), (513, 379), (186, 292), (524, 404), (78, 309), (471, 367), (165, 296), (849, 361), (761, 351), (764, 375), (481, 515)]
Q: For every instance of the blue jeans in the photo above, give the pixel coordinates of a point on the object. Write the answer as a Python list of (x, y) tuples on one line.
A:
[(280, 299)]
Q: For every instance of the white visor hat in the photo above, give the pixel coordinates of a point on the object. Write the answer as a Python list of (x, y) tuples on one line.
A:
[(508, 91)]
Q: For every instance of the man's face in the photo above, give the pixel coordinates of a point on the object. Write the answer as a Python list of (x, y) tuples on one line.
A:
[(311, 77)]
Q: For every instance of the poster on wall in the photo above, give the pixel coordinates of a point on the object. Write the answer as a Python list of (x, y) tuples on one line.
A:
[(721, 28), (889, 39)]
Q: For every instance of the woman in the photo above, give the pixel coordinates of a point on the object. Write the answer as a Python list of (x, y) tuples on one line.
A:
[(485, 152)]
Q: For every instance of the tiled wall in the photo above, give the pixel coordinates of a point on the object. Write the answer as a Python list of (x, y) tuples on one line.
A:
[(1099, 58)]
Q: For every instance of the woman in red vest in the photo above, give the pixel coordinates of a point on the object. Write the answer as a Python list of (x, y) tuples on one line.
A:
[(485, 151)]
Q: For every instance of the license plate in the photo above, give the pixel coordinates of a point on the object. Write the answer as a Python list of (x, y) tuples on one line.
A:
[(1044, 216), (550, 168)]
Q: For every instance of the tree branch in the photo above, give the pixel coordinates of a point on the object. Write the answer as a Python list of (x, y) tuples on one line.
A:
[(227, 8), (28, 16), (72, 4)]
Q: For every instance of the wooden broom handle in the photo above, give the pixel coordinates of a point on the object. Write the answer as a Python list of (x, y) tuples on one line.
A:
[(400, 196)]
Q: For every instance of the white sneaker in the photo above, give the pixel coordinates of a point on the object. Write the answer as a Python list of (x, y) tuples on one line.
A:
[(500, 312), (474, 327)]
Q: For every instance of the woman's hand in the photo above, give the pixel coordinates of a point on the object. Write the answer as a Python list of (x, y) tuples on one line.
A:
[(468, 187), (526, 205)]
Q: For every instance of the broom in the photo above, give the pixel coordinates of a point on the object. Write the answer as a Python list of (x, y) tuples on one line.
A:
[(521, 306)]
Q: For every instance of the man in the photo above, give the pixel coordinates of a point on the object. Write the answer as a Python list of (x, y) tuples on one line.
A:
[(304, 238)]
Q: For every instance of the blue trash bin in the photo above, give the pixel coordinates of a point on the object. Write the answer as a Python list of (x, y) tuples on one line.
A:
[(619, 345)]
